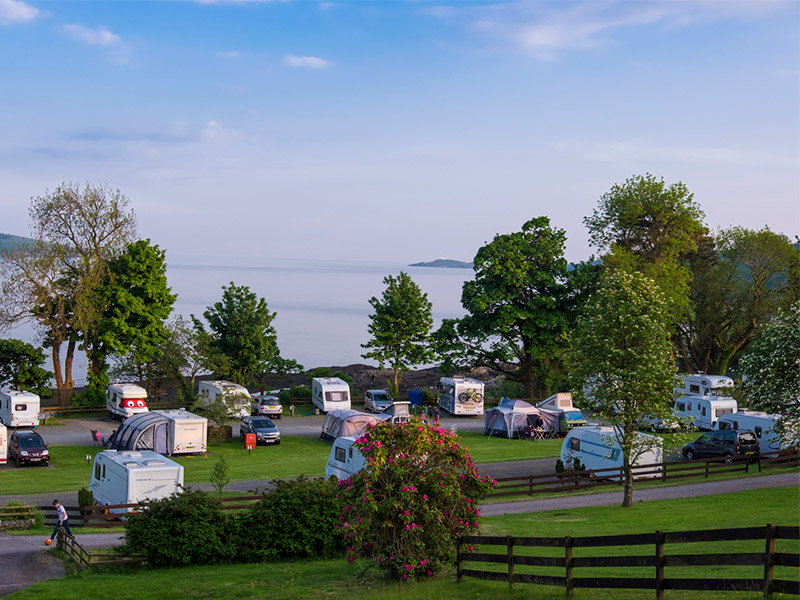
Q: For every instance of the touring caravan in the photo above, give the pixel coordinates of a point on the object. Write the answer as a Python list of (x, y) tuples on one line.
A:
[(597, 448), (330, 393), (213, 391), (760, 423), (166, 432), (3, 444), (19, 409), (461, 395), (703, 412), (344, 460), (125, 477), (568, 415), (124, 400)]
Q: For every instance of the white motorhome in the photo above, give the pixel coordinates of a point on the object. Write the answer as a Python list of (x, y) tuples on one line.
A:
[(344, 460), (125, 477), (213, 391), (461, 395), (124, 400), (760, 423), (19, 409), (3, 444), (596, 447), (330, 393), (703, 399)]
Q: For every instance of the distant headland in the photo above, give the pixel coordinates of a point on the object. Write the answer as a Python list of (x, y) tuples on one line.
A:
[(444, 263)]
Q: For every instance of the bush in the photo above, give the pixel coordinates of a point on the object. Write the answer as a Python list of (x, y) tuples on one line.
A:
[(294, 393), (85, 497), (187, 529), (414, 498), (297, 519)]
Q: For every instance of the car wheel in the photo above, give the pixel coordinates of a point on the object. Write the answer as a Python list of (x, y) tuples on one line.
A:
[(728, 458), (690, 455), (18, 461)]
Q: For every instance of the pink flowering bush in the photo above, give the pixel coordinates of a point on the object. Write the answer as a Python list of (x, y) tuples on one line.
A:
[(416, 495)]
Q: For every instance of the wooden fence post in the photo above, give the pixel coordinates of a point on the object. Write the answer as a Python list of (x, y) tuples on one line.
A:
[(458, 559), (660, 565), (769, 559), (568, 565), (510, 554)]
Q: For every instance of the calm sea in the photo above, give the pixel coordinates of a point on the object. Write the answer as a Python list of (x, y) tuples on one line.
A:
[(322, 306)]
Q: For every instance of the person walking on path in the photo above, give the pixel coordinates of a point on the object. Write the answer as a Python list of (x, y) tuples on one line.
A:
[(63, 520)]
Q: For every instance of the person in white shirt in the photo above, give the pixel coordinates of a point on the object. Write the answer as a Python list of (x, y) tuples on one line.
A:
[(63, 520)]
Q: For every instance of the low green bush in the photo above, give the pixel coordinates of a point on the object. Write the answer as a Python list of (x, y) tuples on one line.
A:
[(186, 529), (296, 392), (297, 519)]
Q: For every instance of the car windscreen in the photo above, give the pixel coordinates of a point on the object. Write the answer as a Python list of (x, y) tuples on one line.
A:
[(573, 416), (30, 442), (262, 424)]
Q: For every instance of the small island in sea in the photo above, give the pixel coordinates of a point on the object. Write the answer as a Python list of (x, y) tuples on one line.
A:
[(444, 263)]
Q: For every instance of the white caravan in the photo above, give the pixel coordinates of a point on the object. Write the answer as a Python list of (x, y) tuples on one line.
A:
[(187, 433), (597, 448), (19, 409), (461, 395), (124, 400), (344, 460), (3, 444), (127, 476), (703, 412), (213, 391), (700, 384), (330, 393), (760, 423)]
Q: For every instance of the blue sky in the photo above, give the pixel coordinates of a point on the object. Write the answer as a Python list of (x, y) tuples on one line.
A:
[(397, 131)]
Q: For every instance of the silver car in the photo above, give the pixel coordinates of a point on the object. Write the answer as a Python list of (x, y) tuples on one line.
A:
[(377, 400)]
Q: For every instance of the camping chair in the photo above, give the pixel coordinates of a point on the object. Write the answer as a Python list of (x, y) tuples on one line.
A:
[(97, 438)]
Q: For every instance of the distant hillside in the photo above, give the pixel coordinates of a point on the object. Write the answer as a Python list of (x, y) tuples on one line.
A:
[(444, 263), (8, 241)]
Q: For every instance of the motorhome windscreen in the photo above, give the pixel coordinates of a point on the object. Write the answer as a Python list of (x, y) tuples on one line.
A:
[(573, 416), (335, 396), (722, 392)]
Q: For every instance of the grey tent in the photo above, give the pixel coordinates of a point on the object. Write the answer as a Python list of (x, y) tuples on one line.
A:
[(512, 418), (157, 431), (345, 423)]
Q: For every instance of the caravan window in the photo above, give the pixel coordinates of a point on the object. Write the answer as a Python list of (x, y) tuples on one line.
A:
[(339, 455), (758, 432), (703, 411), (20, 407), (335, 396), (694, 389), (97, 471), (724, 411), (723, 425), (575, 444), (680, 407), (689, 407)]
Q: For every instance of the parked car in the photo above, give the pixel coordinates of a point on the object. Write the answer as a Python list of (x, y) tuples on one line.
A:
[(265, 430), (377, 400), (28, 447), (723, 443), (267, 405)]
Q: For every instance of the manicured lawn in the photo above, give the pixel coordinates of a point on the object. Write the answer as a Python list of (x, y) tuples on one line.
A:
[(485, 449), (335, 579)]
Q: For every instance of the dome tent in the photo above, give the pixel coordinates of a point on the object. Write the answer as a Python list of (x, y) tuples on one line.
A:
[(345, 423), (511, 418)]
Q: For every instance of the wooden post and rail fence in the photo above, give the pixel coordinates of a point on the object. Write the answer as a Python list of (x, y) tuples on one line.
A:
[(647, 569)]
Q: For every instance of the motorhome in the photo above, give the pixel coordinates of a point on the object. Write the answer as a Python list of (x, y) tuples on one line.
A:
[(461, 395), (700, 384), (760, 423), (3, 444), (126, 477), (344, 460), (124, 400), (237, 395), (330, 393), (569, 416), (166, 432), (19, 409), (596, 447)]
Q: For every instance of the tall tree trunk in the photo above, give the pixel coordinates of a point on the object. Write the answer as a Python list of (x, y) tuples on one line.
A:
[(63, 378), (627, 495)]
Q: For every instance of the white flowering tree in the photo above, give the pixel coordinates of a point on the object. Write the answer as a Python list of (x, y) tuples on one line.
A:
[(621, 345), (773, 373)]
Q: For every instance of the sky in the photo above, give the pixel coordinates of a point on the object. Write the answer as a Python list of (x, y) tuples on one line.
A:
[(396, 130)]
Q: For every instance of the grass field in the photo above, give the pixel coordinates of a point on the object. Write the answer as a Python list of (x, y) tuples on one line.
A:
[(335, 579)]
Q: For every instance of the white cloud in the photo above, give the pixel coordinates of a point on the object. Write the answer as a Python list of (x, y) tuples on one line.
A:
[(93, 37), (309, 62), (14, 11), (229, 54), (215, 131), (631, 150)]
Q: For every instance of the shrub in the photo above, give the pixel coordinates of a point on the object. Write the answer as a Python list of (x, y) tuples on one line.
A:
[(293, 393), (186, 529), (297, 519), (414, 498), (85, 497)]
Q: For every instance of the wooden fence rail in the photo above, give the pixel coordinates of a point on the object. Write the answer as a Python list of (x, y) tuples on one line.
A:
[(110, 515), (657, 559), (86, 560), (578, 480)]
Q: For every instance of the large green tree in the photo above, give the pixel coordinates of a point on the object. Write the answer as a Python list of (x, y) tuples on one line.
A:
[(241, 337), (621, 348), (772, 366), (648, 226), (21, 367), (738, 284), (519, 308), (400, 326)]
